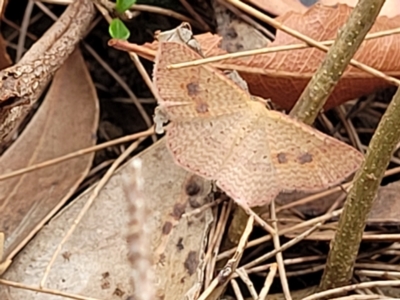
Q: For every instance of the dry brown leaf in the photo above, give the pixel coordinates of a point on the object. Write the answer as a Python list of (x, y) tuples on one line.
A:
[(94, 260), (311, 209), (390, 8), (386, 208), (282, 76), (391, 292), (23, 83), (385, 212), (66, 122), (279, 7), (237, 35)]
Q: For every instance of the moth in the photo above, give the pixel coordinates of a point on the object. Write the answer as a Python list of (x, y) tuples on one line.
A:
[(217, 130)]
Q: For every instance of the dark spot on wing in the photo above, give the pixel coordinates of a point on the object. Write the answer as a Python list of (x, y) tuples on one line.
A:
[(166, 229), (305, 158), (191, 262), (282, 159), (193, 89), (202, 107)]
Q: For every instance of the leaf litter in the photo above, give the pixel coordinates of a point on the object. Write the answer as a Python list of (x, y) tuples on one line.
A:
[(296, 262), (99, 248), (281, 76), (43, 139)]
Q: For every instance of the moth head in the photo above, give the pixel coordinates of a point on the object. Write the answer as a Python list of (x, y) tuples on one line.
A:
[(160, 118)]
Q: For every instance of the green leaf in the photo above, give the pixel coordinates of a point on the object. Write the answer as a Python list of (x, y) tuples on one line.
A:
[(122, 5), (118, 30)]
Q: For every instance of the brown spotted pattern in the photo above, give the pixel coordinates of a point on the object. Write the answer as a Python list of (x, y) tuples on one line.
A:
[(252, 153)]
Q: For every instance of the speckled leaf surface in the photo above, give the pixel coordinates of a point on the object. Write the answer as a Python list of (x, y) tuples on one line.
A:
[(94, 260)]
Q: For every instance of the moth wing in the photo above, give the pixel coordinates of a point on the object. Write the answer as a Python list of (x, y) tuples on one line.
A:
[(193, 92), (306, 159), (249, 175), (202, 145)]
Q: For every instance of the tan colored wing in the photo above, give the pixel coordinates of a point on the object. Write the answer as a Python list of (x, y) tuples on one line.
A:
[(193, 92), (306, 159), (202, 145), (248, 175), (252, 153)]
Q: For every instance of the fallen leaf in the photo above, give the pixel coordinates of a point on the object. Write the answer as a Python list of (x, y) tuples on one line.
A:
[(66, 122), (219, 132), (386, 208), (279, 7), (22, 84), (97, 263), (328, 234), (391, 292), (310, 209), (236, 34), (384, 212), (390, 8), (282, 76)]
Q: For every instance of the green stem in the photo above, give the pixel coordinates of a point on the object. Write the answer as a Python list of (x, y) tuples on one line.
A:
[(349, 39), (345, 245)]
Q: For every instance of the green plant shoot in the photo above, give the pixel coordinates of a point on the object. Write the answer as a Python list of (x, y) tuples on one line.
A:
[(118, 30), (122, 5)]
